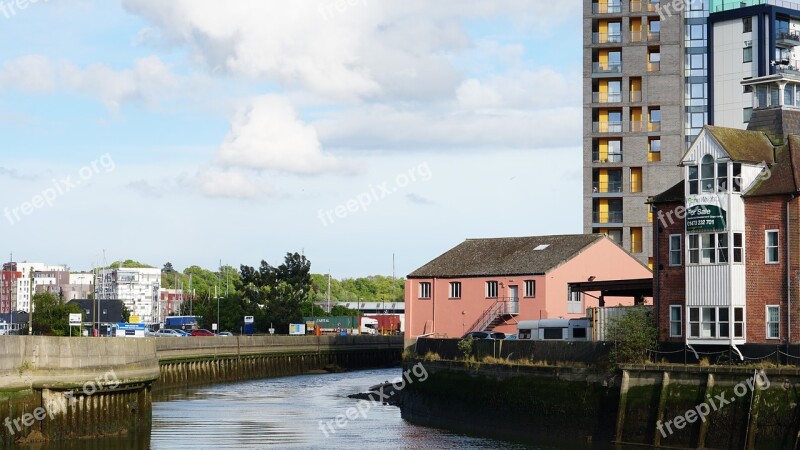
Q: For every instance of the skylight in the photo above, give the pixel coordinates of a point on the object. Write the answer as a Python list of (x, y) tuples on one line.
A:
[(542, 247)]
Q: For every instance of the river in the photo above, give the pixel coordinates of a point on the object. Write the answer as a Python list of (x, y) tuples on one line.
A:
[(286, 413)]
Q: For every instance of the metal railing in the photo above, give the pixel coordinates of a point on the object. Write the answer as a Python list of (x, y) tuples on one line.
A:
[(654, 126), (636, 96), (654, 66), (607, 127), (606, 158), (787, 36), (606, 97), (607, 187), (653, 36), (607, 8), (637, 36), (726, 6), (607, 217), (606, 67), (606, 38), (504, 306)]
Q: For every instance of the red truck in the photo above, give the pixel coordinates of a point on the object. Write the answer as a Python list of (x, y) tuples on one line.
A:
[(388, 323)]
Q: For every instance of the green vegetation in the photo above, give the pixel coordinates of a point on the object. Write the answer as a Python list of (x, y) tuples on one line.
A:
[(466, 345), (51, 314), (632, 334), (376, 288)]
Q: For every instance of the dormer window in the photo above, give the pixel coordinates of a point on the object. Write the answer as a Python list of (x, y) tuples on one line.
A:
[(707, 174), (711, 177)]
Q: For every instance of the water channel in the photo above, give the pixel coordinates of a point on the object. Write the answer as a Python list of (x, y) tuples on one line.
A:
[(286, 413)]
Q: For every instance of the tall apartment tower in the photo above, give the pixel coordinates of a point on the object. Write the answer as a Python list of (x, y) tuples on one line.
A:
[(645, 100)]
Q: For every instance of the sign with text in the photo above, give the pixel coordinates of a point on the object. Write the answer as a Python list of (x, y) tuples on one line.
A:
[(296, 329), (705, 213), (75, 320)]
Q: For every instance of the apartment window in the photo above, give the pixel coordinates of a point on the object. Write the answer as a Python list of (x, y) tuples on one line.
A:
[(722, 177), (675, 321), (455, 289), (771, 247), (530, 288), (697, 120), (694, 322), (697, 32), (773, 322), (747, 24), (675, 249), (694, 249), (747, 54), (491, 289), (424, 290), (736, 177), (697, 90)]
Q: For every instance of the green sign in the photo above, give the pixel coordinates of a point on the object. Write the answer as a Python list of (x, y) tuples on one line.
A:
[(705, 213)]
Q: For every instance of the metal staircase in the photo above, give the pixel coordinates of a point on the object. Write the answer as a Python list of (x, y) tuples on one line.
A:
[(503, 310)]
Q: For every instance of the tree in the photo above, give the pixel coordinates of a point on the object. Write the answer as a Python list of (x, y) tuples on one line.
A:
[(168, 268), (632, 333), (51, 314)]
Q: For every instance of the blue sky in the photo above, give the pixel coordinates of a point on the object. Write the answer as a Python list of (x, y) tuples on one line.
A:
[(348, 129)]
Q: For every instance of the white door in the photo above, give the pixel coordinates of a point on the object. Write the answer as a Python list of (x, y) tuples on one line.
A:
[(513, 299)]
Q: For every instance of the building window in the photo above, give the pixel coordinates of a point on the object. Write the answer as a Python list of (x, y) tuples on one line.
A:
[(693, 190), (707, 174), (738, 322), (455, 289), (491, 289), (675, 321), (675, 249), (424, 290), (722, 177), (747, 54), (712, 248), (773, 322), (771, 247), (694, 249), (694, 322), (747, 24), (738, 251), (530, 288), (747, 113)]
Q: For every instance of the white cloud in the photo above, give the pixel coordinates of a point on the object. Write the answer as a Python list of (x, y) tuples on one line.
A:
[(520, 89), (215, 183), (268, 134), (353, 50), (30, 73)]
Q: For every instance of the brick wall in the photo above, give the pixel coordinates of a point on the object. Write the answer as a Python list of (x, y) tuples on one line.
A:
[(671, 287), (766, 283)]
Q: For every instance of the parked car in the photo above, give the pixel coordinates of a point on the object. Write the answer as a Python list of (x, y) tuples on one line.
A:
[(485, 335), (511, 337), (166, 332), (182, 332), (225, 333), (202, 332)]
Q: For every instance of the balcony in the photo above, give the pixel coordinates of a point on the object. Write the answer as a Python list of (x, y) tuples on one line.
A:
[(607, 217), (611, 158), (606, 38), (606, 67), (606, 97), (607, 127), (607, 8), (636, 6), (653, 37), (607, 187), (654, 66), (653, 156), (653, 6), (636, 96), (787, 39), (654, 127), (637, 36), (637, 126)]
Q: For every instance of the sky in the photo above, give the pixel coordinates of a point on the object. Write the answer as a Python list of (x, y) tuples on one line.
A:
[(357, 132)]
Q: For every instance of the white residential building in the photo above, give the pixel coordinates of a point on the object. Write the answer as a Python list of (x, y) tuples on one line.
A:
[(137, 288), (25, 286)]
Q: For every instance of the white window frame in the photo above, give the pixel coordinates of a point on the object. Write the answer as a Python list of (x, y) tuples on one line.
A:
[(455, 289), (676, 238), (672, 321), (776, 247), (491, 289), (530, 288), (768, 323), (424, 287)]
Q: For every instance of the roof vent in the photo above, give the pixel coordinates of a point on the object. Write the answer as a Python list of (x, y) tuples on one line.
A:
[(542, 247)]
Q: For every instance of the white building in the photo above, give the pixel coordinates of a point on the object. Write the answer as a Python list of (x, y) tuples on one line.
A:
[(137, 288), (25, 286), (80, 286)]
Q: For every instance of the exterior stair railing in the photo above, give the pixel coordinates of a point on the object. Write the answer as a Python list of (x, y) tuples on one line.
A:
[(505, 306)]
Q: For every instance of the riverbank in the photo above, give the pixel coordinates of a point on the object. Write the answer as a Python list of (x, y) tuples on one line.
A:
[(639, 405)]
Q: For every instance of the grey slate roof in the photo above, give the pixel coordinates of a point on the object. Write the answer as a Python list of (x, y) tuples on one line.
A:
[(506, 256)]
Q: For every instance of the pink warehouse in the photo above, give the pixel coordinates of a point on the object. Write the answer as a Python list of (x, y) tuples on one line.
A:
[(494, 283)]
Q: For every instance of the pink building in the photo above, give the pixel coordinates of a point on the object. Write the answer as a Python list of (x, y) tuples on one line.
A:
[(491, 284)]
